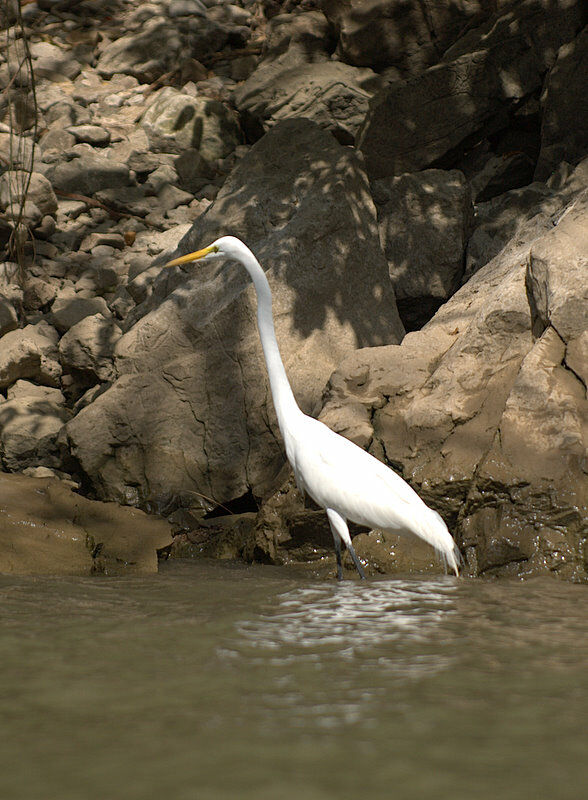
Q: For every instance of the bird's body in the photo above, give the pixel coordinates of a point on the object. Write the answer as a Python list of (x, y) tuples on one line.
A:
[(349, 483)]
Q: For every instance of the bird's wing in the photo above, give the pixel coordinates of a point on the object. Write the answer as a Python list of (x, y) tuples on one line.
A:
[(340, 475)]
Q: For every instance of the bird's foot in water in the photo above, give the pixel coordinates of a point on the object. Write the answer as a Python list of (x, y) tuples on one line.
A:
[(356, 561)]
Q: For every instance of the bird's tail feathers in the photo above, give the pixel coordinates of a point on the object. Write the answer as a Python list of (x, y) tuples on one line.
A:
[(435, 532)]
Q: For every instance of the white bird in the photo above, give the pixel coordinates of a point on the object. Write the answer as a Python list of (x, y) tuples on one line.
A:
[(348, 482)]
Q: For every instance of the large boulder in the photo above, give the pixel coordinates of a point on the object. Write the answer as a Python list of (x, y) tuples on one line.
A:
[(424, 221), (47, 529), (481, 411), (334, 95), (394, 33), (175, 122), (191, 416), (414, 123)]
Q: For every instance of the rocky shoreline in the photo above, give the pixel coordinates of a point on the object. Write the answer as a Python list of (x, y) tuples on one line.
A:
[(394, 171)]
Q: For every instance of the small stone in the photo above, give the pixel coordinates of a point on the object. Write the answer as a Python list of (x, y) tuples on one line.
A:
[(141, 287), (38, 294), (72, 208), (29, 352), (46, 228), (88, 347), (113, 100), (57, 139), (102, 251), (38, 190), (186, 8), (8, 318), (114, 240), (122, 303), (29, 213), (23, 388), (162, 176), (9, 272), (171, 197), (67, 311), (53, 63), (92, 134), (88, 173)]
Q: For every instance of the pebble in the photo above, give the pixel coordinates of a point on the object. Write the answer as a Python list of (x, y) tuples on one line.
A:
[(92, 134), (114, 241)]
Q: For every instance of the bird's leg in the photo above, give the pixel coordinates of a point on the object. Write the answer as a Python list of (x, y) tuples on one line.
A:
[(356, 561), (337, 541), (340, 532)]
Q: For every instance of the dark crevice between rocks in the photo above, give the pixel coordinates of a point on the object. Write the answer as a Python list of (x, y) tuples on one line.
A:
[(240, 505), (417, 311)]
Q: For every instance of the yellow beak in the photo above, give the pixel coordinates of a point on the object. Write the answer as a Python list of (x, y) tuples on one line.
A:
[(191, 256)]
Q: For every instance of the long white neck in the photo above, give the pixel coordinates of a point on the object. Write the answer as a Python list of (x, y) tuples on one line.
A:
[(282, 395)]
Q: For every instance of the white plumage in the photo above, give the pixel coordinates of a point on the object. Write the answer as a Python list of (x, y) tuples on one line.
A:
[(349, 483)]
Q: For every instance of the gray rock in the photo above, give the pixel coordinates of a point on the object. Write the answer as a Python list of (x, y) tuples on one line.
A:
[(25, 389), (410, 37), (171, 197), (159, 46), (6, 229), (185, 8), (87, 173), (111, 239), (334, 95), (122, 303), (424, 226), (46, 228), (31, 353), (9, 274), (16, 150), (564, 132), (8, 318), (556, 275), (25, 213), (412, 124), (163, 176), (52, 62), (193, 364), (88, 347), (29, 426), (141, 286), (38, 293), (175, 122), (68, 311), (95, 135), (298, 39), (13, 184), (498, 221), (193, 171), (65, 113)]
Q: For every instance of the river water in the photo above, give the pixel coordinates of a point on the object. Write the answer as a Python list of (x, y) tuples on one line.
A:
[(212, 680)]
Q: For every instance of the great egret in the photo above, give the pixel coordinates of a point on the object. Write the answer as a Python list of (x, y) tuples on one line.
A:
[(348, 482)]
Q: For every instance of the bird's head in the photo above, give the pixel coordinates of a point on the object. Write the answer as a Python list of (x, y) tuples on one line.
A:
[(225, 247)]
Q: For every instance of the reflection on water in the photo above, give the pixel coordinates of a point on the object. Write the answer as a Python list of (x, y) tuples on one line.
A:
[(352, 617), (351, 630)]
